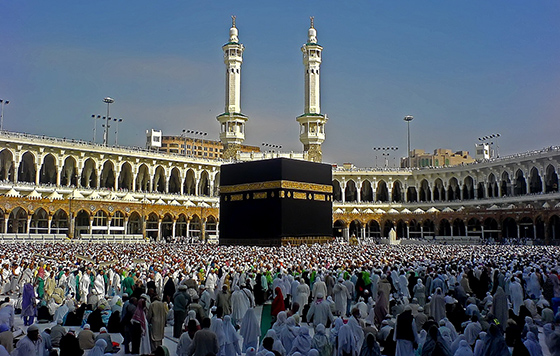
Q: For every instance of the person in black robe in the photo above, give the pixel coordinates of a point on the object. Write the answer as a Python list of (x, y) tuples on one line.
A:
[(169, 290), (259, 292), (75, 318), (95, 320), (69, 345), (114, 324)]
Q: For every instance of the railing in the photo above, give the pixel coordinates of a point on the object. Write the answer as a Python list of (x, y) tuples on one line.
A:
[(83, 143), (33, 238), (99, 238)]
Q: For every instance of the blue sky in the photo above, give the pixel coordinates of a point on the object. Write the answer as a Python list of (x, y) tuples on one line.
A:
[(463, 69)]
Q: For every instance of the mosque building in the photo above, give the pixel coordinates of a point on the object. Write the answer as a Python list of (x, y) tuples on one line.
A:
[(52, 188)]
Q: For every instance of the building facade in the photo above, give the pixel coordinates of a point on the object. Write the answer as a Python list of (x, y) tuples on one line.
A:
[(76, 189)]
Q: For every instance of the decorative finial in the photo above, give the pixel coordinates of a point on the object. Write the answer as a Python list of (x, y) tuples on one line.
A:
[(233, 20), (312, 18)]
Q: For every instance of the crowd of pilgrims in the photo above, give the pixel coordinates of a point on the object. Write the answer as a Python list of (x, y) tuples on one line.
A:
[(328, 300)]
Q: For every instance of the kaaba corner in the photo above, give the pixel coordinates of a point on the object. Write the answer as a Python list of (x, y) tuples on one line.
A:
[(275, 202)]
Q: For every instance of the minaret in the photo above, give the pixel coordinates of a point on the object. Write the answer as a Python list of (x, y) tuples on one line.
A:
[(312, 122), (232, 121)]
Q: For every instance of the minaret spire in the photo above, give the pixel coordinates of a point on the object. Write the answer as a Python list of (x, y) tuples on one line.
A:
[(312, 122), (232, 121)]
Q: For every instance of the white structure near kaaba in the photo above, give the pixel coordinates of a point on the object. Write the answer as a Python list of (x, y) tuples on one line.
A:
[(58, 188)]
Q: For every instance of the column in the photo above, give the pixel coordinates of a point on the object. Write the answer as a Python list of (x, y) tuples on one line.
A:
[(359, 190), (421, 231), (187, 231), (125, 225), (343, 191), (158, 238), (173, 228), (28, 225), (109, 219), (49, 225), (90, 224), (518, 231), (37, 174), (407, 231), (7, 216), (363, 232)]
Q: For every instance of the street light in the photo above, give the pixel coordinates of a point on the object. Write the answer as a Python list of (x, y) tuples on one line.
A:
[(193, 133), (408, 119), (95, 118), (2, 103), (117, 130), (271, 146), (108, 101), (385, 153)]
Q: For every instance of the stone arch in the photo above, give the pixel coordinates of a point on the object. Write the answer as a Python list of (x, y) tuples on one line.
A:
[(211, 228), (181, 226), (143, 178), (167, 226), (459, 227), (480, 190), (6, 165), (350, 193), (337, 191), (195, 227), (453, 190), (439, 190), (159, 180), (189, 186), (401, 229), (505, 184), (468, 188), (425, 193), (69, 173), (204, 184), (491, 228), (99, 224), (152, 226), (48, 172), (551, 180), (17, 221), (39, 222), (82, 223), (474, 227), (126, 178), (382, 192), (520, 187), (59, 222), (27, 170), (355, 229), (340, 225), (554, 227), (509, 228), (526, 228), (373, 229), (117, 223), (175, 181), (428, 228), (535, 182), (387, 226), (411, 195), (444, 227), (540, 228), (134, 226), (107, 175), (89, 174), (366, 192), (492, 189), (414, 229), (396, 192)]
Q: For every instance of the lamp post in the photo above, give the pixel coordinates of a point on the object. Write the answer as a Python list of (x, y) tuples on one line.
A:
[(2, 103), (108, 101), (95, 118), (385, 153), (408, 119), (193, 133), (271, 146), (119, 120)]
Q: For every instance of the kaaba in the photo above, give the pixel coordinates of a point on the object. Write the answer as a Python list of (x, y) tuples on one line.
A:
[(274, 202)]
